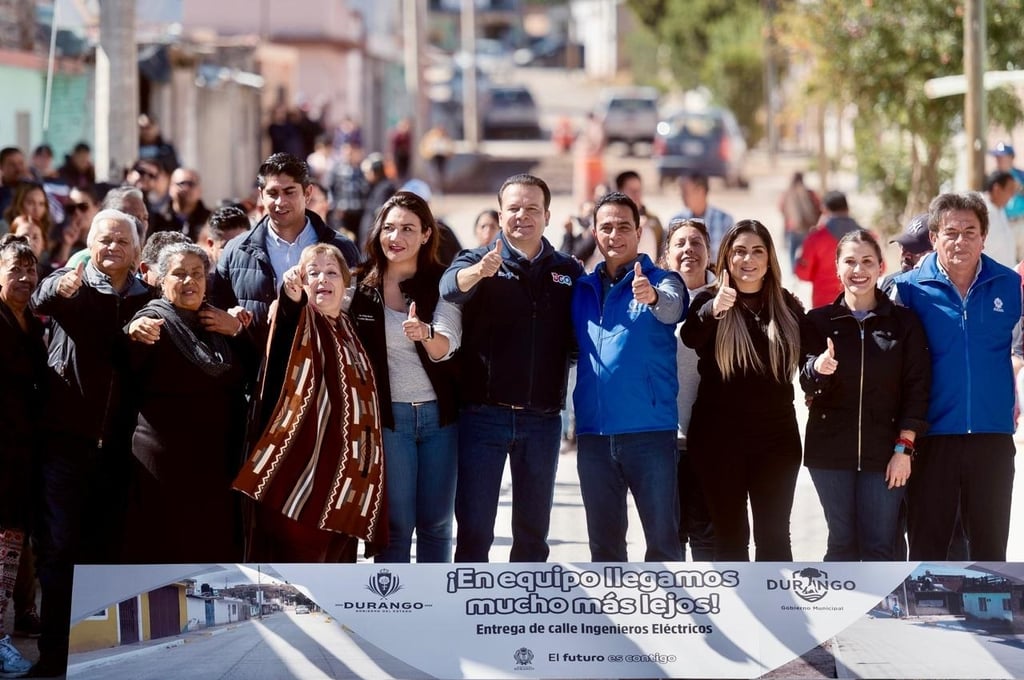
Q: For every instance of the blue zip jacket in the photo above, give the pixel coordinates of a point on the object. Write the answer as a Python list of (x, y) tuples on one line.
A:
[(970, 340), (626, 376)]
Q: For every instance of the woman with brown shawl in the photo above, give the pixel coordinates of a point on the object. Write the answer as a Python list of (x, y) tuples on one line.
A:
[(317, 469)]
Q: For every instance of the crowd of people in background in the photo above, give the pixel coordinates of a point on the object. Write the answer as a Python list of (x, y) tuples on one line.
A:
[(363, 378)]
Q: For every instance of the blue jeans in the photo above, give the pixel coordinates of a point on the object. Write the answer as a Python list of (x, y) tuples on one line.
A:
[(420, 480), (796, 242), (530, 440), (862, 514), (645, 464)]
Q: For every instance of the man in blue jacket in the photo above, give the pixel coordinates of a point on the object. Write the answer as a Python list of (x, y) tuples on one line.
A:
[(970, 306), (624, 315), (516, 344)]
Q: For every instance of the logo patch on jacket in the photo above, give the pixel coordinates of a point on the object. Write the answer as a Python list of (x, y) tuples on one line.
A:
[(997, 305), (561, 279)]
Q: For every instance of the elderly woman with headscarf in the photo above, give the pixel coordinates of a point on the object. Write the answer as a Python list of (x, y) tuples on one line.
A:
[(23, 376), (181, 507), (85, 460), (316, 470)]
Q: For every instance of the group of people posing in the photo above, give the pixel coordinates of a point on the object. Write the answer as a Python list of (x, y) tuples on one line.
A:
[(299, 396)]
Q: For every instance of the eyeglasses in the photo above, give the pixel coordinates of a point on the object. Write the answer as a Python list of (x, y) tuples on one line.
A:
[(142, 172), (78, 207), (185, 184)]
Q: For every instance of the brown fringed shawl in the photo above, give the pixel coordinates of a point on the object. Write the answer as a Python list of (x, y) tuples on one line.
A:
[(320, 459)]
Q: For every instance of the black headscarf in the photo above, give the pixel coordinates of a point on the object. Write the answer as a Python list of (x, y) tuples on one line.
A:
[(209, 351)]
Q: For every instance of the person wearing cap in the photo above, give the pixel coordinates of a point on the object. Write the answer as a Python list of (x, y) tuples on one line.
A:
[(816, 261), (915, 242), (970, 306), (1004, 155)]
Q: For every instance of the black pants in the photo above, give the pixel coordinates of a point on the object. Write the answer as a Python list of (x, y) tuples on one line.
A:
[(695, 525), (974, 471), (762, 469), (80, 520)]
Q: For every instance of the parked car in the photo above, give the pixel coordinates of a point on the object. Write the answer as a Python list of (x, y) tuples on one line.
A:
[(301, 609), (707, 140), (510, 111), (629, 115)]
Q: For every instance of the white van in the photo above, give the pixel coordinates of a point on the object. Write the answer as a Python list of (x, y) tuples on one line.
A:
[(629, 115)]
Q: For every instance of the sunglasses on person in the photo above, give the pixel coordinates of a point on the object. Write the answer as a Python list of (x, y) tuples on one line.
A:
[(143, 172), (185, 184), (78, 207)]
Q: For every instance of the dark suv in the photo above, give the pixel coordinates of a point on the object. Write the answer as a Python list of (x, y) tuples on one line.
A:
[(708, 141)]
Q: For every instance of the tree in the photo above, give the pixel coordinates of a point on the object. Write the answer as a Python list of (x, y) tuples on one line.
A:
[(877, 56), (714, 43)]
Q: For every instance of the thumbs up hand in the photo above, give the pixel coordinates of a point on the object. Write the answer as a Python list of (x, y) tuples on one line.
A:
[(643, 291), (491, 262), (415, 330), (825, 363), (71, 281), (725, 299)]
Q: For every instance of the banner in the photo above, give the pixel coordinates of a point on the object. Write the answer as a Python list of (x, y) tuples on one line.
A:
[(682, 620)]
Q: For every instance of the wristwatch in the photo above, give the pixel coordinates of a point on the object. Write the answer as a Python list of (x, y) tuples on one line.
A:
[(902, 447)]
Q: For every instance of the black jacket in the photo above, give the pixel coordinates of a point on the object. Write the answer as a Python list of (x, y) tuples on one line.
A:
[(880, 387), (517, 336), (87, 351), (367, 314)]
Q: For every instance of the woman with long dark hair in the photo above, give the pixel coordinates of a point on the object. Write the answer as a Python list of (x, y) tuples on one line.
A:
[(409, 334), (743, 438)]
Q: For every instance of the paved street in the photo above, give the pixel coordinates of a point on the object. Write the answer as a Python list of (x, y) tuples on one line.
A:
[(282, 645)]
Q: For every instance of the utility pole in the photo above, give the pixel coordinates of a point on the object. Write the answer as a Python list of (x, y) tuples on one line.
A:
[(414, 13), (470, 115), (974, 102), (769, 82), (117, 91)]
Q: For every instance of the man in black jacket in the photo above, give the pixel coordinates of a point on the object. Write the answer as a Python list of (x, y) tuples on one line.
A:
[(516, 296), (252, 265)]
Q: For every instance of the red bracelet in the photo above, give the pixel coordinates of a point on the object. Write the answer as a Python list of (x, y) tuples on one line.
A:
[(906, 442)]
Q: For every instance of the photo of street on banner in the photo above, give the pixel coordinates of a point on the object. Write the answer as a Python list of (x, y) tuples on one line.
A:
[(572, 620)]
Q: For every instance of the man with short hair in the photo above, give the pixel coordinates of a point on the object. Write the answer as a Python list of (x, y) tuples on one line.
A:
[(252, 267), (380, 190), (652, 233), (13, 169), (1005, 155), (517, 338), (695, 197), (224, 224), (970, 306), (148, 176), (1001, 243), (186, 208), (625, 315)]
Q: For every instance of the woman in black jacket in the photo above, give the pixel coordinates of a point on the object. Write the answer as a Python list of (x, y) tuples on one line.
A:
[(409, 334), (866, 375)]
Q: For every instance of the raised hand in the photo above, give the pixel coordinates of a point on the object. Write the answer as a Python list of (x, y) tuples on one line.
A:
[(71, 281), (825, 363), (145, 330), (725, 299), (643, 291), (293, 284), (218, 321)]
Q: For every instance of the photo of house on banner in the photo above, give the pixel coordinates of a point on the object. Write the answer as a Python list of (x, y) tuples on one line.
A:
[(218, 621), (945, 620)]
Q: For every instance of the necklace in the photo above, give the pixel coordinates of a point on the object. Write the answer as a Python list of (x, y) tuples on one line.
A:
[(755, 314)]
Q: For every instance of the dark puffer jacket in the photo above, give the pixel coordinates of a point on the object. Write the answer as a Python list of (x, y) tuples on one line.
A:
[(245, 277)]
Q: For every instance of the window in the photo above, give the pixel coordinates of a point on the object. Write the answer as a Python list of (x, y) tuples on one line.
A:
[(1006, 605), (983, 604)]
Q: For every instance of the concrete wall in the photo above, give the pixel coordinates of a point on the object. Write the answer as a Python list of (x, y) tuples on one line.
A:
[(95, 632), (994, 610)]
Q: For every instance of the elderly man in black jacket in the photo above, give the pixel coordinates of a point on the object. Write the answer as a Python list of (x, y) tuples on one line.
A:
[(84, 465)]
